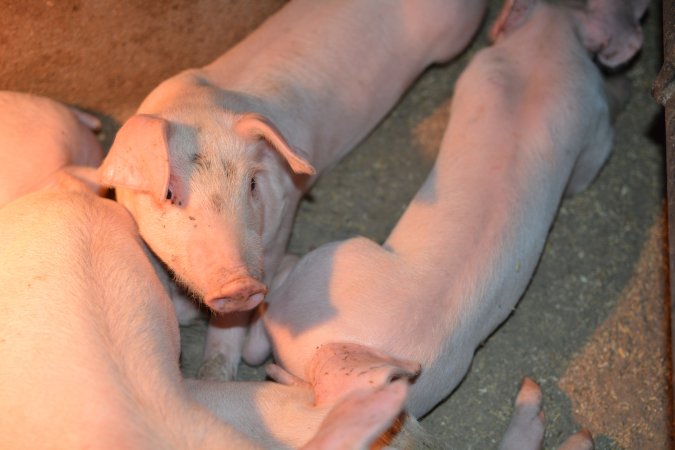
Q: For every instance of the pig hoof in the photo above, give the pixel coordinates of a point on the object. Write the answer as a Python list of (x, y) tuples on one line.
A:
[(526, 430), (218, 368)]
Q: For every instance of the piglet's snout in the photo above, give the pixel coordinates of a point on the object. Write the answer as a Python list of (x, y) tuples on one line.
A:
[(240, 294)]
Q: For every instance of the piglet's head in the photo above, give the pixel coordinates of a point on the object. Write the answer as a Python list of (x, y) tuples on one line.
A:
[(609, 29), (205, 199)]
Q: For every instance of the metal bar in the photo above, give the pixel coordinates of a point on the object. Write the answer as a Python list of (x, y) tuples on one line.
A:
[(663, 91)]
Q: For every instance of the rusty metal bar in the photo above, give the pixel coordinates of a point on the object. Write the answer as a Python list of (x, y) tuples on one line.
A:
[(663, 91)]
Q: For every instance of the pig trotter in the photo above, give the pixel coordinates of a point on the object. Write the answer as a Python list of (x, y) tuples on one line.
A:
[(526, 430)]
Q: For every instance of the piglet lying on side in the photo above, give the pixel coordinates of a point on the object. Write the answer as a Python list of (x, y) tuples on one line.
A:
[(38, 138), (530, 121), (214, 163)]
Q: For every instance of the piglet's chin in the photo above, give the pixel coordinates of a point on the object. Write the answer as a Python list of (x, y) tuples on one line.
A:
[(228, 304)]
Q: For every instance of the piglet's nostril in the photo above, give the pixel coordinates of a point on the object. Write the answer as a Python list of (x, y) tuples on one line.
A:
[(240, 294)]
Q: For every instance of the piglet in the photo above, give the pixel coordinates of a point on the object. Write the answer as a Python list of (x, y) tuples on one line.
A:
[(89, 348), (106, 329), (38, 138), (530, 121), (214, 163)]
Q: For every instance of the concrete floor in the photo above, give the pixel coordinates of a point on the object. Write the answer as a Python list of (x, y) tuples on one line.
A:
[(592, 328)]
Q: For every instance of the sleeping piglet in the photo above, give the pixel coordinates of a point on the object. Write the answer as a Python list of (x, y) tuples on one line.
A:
[(530, 121), (38, 138), (214, 163)]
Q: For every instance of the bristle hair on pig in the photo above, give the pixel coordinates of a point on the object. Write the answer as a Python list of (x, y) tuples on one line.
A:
[(215, 160)]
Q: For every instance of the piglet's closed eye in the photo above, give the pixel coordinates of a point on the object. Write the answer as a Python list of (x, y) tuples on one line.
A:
[(139, 157)]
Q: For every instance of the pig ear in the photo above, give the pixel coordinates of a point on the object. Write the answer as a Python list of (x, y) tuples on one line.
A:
[(337, 369), (360, 418), (139, 157), (612, 29), (513, 14), (255, 126)]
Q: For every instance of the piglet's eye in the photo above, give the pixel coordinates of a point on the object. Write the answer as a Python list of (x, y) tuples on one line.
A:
[(253, 184), (169, 194)]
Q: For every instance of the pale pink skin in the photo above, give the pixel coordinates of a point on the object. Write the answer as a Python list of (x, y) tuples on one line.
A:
[(463, 252), (102, 327), (599, 29), (90, 348), (98, 365), (319, 76), (83, 315), (38, 138)]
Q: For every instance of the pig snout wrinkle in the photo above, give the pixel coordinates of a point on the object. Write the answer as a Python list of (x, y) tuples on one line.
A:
[(241, 294)]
